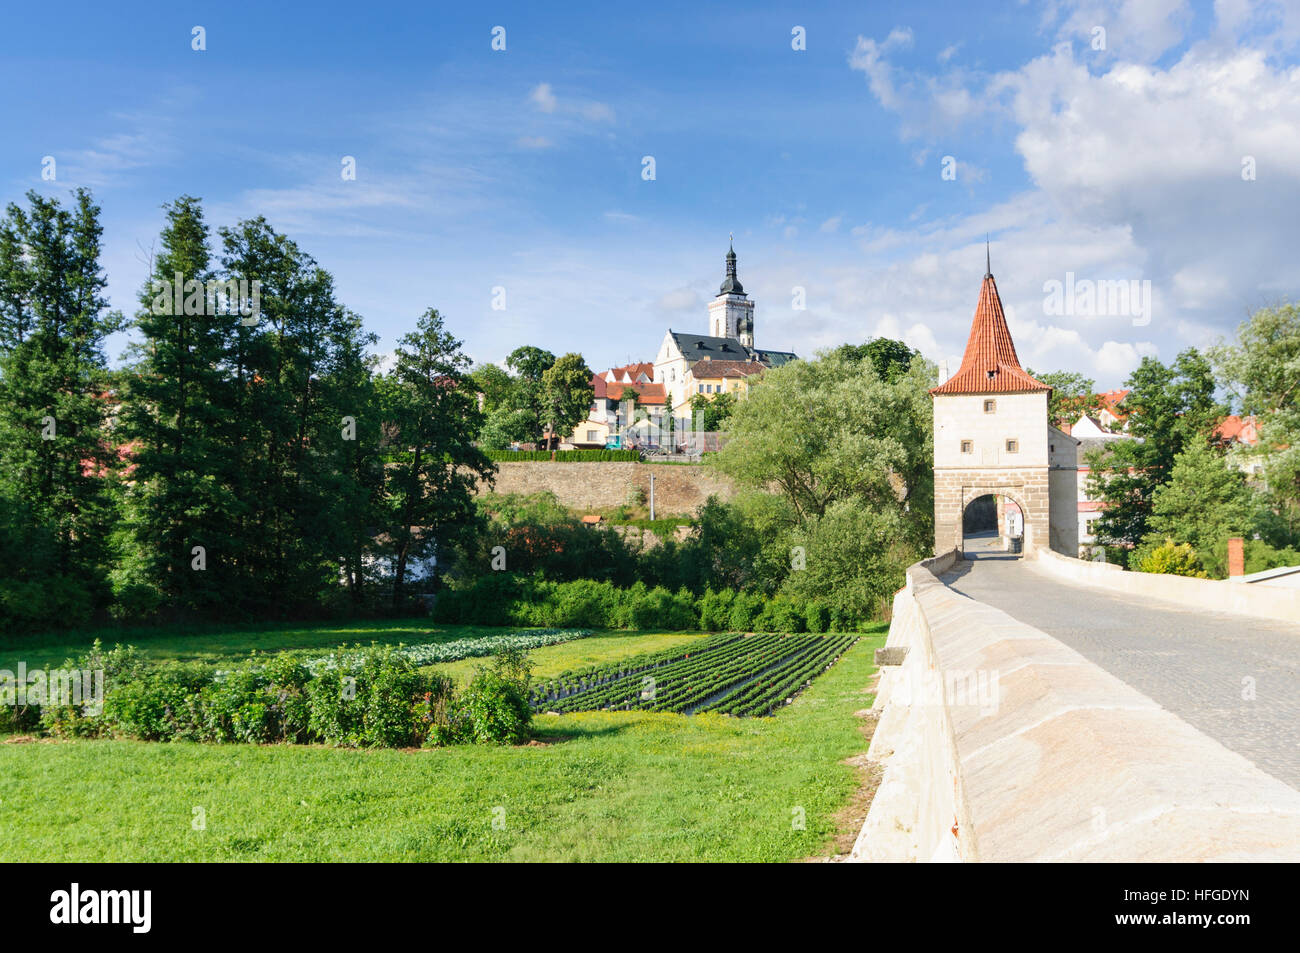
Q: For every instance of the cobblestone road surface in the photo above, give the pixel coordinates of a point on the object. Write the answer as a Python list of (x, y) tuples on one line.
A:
[(1201, 666)]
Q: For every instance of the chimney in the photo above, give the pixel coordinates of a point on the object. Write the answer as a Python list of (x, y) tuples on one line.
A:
[(1236, 558)]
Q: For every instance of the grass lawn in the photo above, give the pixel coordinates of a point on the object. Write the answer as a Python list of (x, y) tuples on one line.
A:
[(625, 786)]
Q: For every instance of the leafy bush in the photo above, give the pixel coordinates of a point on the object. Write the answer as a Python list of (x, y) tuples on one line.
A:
[(745, 611), (494, 709), (492, 600), (1176, 559), (782, 615), (817, 617), (161, 703), (715, 610)]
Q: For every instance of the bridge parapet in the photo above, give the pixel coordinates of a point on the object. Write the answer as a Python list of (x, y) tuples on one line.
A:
[(1214, 595), (1000, 743)]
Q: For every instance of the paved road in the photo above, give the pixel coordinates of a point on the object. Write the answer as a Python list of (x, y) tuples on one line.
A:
[(1193, 663)]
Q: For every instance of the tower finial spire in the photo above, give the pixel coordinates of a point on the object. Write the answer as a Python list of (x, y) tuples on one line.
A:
[(988, 261), (731, 284)]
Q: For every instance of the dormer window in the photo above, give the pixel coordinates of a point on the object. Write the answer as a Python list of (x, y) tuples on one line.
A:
[(990, 374)]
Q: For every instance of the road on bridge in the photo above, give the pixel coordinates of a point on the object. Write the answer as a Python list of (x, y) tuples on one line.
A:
[(1194, 663)]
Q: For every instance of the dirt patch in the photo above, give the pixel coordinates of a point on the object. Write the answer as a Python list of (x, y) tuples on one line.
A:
[(20, 740), (850, 818)]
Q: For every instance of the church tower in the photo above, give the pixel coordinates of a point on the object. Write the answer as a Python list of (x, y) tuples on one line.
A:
[(992, 437), (731, 313)]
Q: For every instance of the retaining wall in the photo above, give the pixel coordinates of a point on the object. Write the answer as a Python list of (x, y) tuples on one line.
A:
[(999, 743), (679, 488)]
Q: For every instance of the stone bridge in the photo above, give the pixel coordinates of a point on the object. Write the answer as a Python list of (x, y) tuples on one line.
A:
[(1055, 709)]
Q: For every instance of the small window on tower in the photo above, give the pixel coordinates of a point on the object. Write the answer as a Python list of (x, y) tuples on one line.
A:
[(990, 406), (1013, 446), (968, 446)]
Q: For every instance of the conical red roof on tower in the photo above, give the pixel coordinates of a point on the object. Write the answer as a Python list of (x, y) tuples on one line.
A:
[(990, 365)]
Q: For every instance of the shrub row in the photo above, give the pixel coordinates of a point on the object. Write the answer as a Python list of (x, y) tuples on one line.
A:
[(564, 456), (509, 599), (372, 697)]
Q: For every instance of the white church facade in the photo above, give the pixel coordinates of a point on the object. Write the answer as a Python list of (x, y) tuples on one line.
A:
[(721, 361)]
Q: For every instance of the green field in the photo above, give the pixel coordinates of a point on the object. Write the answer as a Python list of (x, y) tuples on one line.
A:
[(629, 786)]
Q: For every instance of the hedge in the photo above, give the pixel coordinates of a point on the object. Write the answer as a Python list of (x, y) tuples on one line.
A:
[(564, 456), (510, 599), (371, 697)]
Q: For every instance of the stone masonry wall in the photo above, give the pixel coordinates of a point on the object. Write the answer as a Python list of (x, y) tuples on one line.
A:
[(954, 489), (679, 489)]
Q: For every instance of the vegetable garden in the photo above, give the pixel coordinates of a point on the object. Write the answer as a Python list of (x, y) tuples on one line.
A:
[(742, 675)]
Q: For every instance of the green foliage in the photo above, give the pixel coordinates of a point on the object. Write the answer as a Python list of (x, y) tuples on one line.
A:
[(831, 430), (508, 599), (1205, 501), (567, 394), (854, 561), (1170, 408), (435, 466), (1177, 559), (1073, 396), (530, 364), (55, 453), (494, 708), (1260, 370), (712, 411), (890, 359), (374, 697)]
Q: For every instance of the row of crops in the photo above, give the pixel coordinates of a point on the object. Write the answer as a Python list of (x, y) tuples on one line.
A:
[(742, 675)]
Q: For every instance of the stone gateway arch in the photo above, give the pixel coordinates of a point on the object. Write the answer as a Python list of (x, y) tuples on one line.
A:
[(992, 436)]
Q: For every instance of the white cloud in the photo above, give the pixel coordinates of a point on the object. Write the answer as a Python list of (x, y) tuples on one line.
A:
[(869, 57), (543, 97), (1135, 167)]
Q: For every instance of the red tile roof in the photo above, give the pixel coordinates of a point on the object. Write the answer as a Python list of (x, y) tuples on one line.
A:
[(1239, 429), (990, 365), (647, 393), (634, 370), (1112, 399)]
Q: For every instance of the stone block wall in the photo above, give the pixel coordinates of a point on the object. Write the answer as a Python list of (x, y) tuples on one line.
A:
[(679, 489), (954, 489)]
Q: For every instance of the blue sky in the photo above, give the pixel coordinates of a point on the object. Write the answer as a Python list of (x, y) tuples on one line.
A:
[(522, 169)]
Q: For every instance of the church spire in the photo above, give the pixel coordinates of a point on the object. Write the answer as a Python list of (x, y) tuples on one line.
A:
[(731, 284), (988, 264), (990, 364)]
